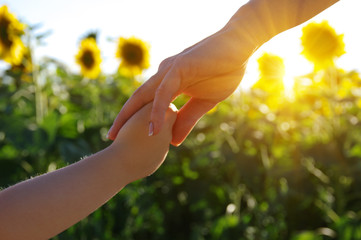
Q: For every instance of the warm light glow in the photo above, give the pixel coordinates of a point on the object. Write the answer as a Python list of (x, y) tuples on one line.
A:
[(172, 36), (321, 44)]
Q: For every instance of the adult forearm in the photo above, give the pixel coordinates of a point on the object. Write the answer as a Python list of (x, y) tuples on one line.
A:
[(44, 206), (260, 20)]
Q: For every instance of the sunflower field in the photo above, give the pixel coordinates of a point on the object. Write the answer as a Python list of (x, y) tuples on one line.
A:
[(267, 163)]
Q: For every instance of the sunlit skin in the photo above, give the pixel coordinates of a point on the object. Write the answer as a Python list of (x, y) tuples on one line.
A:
[(211, 70), (44, 206)]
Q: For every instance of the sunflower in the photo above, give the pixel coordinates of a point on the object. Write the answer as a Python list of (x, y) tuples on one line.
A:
[(271, 66), (134, 56), (25, 68), (272, 71), (321, 44), (89, 58), (11, 46)]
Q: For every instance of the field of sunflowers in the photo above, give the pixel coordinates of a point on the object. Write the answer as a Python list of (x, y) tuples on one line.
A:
[(267, 163)]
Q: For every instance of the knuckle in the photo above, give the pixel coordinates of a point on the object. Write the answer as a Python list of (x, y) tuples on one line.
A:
[(165, 63), (182, 68), (161, 91), (180, 62), (137, 93)]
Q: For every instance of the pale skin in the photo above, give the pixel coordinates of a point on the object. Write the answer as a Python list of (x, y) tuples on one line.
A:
[(211, 70), (44, 206)]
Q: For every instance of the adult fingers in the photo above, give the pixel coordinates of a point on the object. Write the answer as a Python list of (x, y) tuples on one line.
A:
[(164, 95), (143, 95), (169, 120), (140, 98), (187, 118)]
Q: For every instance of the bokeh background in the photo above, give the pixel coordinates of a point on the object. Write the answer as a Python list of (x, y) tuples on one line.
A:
[(279, 159)]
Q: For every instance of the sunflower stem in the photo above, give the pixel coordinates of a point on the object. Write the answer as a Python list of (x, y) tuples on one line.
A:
[(39, 111)]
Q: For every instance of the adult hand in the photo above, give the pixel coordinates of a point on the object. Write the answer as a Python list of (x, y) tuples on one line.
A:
[(211, 70), (208, 72)]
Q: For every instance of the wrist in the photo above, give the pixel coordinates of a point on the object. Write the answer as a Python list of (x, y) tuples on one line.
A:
[(112, 161), (261, 20), (127, 163), (248, 25)]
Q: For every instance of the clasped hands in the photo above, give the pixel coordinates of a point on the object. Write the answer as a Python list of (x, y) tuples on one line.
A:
[(208, 72)]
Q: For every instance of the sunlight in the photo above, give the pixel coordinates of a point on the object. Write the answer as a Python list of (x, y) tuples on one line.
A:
[(294, 68), (288, 82)]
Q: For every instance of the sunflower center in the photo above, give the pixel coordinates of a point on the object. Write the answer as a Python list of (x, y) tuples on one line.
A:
[(88, 59), (132, 54), (4, 33)]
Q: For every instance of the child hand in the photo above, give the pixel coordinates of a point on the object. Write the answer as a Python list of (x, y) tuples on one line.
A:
[(140, 154)]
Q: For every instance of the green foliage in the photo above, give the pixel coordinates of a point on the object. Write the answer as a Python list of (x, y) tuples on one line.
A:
[(258, 167), (245, 172)]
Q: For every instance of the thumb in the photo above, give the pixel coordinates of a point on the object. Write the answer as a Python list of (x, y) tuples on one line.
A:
[(164, 95), (187, 118)]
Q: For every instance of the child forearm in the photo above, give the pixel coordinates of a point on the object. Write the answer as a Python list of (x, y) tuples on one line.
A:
[(44, 206)]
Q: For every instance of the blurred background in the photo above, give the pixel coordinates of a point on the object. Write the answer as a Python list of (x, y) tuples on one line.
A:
[(169, 27), (279, 159)]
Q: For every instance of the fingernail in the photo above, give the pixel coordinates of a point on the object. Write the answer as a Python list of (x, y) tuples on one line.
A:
[(151, 128), (109, 132)]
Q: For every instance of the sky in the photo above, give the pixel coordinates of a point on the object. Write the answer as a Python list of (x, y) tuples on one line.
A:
[(170, 26)]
